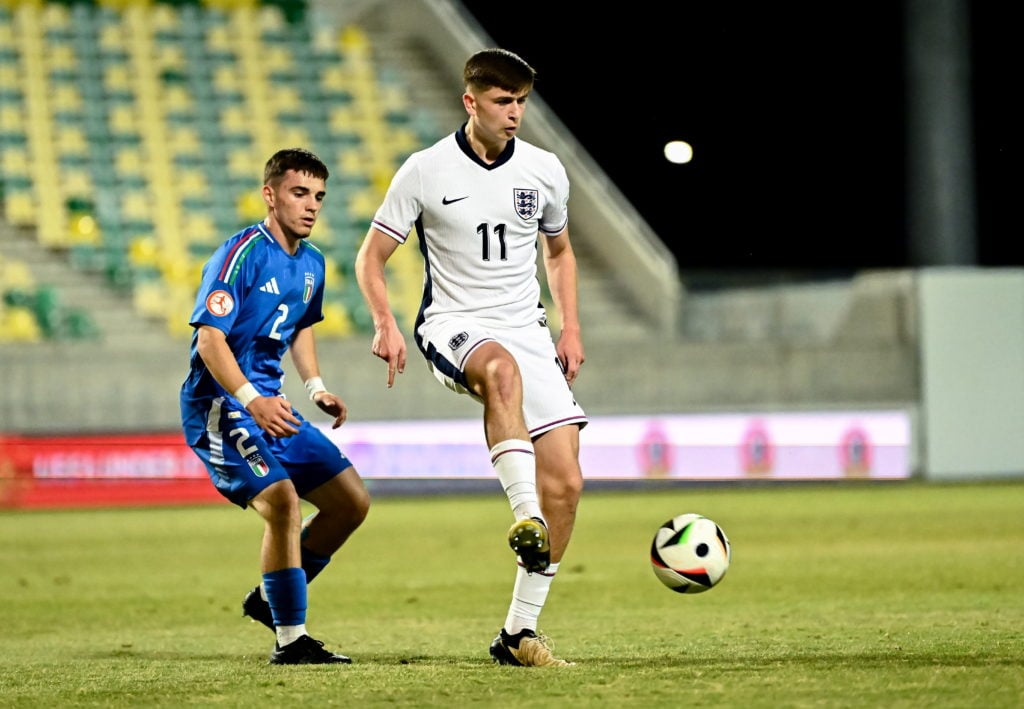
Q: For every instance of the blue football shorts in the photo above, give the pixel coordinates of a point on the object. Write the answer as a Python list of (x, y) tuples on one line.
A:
[(242, 460)]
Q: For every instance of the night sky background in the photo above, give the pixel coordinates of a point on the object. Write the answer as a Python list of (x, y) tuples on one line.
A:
[(797, 118)]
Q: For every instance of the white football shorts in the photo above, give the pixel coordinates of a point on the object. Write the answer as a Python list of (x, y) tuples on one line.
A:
[(548, 402)]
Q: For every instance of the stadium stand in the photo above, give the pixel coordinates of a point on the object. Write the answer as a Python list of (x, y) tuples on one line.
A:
[(828, 345), (133, 136), (17, 321)]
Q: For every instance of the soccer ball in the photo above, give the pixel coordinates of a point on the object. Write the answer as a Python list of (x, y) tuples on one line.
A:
[(690, 553)]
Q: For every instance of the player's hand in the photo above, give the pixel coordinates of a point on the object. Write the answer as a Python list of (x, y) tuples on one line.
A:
[(333, 405), (389, 345), (570, 354), (274, 415)]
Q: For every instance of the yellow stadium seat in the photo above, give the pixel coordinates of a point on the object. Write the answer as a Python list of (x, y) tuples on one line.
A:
[(234, 119), (200, 229), (128, 161), (9, 77), (136, 205), (123, 4), (112, 38), (149, 298), (176, 270), (18, 324), (277, 59), (76, 182), (163, 17), (55, 16), (191, 183), (6, 32), (60, 57), (271, 19), (123, 120), (16, 274), (250, 207), (143, 251), (336, 321), (11, 120), (184, 140), (20, 209), (65, 97), (179, 303), (177, 99), (363, 203), (242, 162), (230, 4), (354, 41), (71, 141), (83, 230), (52, 229), (14, 161), (220, 40)]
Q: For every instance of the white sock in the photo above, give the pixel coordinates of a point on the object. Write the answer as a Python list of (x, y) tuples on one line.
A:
[(514, 462), (289, 633), (528, 597)]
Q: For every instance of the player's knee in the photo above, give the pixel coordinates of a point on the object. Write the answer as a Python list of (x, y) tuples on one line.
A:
[(360, 507), (572, 488), (348, 511), (279, 506), (502, 372), (564, 488)]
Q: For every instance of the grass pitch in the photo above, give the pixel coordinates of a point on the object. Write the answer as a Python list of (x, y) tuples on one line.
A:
[(847, 595)]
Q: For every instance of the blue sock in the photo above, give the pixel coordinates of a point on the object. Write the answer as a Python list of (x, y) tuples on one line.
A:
[(286, 594), (313, 563)]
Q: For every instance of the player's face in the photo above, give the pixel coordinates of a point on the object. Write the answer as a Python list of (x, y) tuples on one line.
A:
[(498, 113), (294, 203)]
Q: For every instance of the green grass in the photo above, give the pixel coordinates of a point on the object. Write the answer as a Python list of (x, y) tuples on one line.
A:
[(847, 595)]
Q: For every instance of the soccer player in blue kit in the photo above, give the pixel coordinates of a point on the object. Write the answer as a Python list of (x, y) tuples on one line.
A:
[(479, 199), (261, 293)]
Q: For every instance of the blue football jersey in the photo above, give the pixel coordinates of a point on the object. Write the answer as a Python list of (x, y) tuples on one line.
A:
[(259, 296)]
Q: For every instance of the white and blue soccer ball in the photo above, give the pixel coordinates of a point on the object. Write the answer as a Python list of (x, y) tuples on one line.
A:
[(690, 553)]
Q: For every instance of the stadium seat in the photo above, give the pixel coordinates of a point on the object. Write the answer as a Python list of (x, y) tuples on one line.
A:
[(18, 324)]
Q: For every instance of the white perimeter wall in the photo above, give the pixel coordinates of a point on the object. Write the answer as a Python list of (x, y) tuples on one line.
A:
[(972, 372)]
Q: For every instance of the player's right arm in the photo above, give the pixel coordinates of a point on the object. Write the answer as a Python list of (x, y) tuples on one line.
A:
[(272, 413), (388, 342)]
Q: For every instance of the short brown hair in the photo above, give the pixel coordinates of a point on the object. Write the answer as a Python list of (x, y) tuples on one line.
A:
[(498, 67), (297, 159)]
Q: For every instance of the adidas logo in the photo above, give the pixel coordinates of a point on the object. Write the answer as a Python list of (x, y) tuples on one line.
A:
[(270, 287)]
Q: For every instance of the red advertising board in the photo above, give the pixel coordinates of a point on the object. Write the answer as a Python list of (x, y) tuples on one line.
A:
[(100, 471)]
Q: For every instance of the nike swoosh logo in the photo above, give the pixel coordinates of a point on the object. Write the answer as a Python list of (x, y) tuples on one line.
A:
[(445, 200)]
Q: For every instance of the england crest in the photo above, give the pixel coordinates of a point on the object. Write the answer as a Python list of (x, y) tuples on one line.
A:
[(526, 203)]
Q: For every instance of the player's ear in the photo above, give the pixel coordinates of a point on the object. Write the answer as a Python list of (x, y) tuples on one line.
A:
[(469, 101), (268, 196)]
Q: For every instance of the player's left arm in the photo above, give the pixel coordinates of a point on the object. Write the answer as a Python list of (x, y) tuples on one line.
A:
[(304, 357), (560, 266)]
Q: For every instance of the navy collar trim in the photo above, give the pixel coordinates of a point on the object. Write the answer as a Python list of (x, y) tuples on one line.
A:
[(463, 141)]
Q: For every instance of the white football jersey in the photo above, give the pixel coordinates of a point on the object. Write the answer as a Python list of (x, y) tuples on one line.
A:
[(478, 226)]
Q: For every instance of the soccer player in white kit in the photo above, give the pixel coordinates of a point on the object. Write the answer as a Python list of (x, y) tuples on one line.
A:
[(480, 199)]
